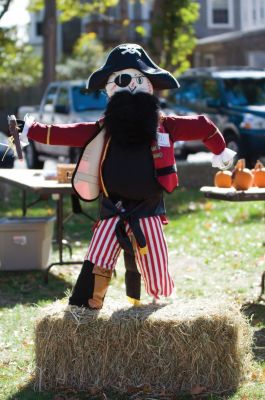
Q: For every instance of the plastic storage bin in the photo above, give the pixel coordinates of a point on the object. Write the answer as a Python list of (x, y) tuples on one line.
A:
[(25, 243)]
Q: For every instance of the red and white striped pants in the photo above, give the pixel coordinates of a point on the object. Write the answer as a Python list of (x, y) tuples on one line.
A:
[(104, 251)]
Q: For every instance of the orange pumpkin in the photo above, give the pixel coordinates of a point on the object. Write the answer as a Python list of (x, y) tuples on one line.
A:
[(259, 175), (223, 179), (242, 178)]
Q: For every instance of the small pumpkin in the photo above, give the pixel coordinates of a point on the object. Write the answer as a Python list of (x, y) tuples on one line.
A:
[(223, 179), (242, 177), (259, 175)]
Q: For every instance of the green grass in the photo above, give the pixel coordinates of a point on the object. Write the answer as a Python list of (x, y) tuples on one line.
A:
[(216, 249)]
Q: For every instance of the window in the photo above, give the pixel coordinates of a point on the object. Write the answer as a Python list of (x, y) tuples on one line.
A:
[(208, 60), (211, 94), (85, 102), (252, 14), (254, 11), (49, 99), (242, 92), (62, 104), (190, 92), (256, 59), (39, 28), (262, 10), (36, 27), (220, 13)]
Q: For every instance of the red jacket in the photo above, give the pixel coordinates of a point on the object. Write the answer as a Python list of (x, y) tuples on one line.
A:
[(177, 127)]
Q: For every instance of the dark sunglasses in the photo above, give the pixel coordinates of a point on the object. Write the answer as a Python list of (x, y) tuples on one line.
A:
[(124, 80)]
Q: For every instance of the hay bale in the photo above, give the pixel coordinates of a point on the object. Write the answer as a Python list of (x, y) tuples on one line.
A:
[(174, 346)]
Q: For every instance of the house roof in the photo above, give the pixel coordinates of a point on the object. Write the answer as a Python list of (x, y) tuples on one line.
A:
[(227, 72), (227, 37)]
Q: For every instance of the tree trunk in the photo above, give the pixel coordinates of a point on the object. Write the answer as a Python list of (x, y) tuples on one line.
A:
[(49, 42), (124, 18), (157, 40)]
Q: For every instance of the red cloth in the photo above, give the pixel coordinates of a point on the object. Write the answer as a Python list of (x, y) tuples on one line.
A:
[(196, 127), (179, 127), (74, 135)]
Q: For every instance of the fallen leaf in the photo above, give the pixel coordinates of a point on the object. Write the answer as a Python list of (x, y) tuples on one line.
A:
[(93, 390), (132, 389), (147, 388), (27, 343), (244, 397), (262, 378), (208, 206), (197, 389)]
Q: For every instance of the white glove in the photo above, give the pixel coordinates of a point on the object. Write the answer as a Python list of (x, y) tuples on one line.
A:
[(223, 160), (29, 119)]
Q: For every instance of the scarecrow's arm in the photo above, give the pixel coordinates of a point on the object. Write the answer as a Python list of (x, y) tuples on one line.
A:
[(196, 127), (201, 128), (74, 135)]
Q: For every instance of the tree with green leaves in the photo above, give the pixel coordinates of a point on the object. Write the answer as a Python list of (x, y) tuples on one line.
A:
[(173, 34), (88, 55), (68, 9), (19, 66)]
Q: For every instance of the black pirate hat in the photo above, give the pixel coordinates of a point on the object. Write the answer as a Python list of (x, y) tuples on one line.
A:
[(129, 55)]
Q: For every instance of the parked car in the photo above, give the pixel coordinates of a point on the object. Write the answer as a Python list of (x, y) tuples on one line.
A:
[(6, 155), (63, 102), (234, 99)]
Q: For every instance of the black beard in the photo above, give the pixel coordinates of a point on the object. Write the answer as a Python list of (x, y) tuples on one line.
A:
[(132, 119)]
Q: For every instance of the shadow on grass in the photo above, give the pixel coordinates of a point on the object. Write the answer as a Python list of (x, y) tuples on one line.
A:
[(256, 313), (29, 287), (28, 393), (249, 219)]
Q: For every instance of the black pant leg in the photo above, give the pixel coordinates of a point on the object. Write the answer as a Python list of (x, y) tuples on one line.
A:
[(84, 287), (132, 277)]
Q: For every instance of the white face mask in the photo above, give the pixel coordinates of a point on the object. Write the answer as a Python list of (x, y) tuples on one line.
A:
[(129, 79)]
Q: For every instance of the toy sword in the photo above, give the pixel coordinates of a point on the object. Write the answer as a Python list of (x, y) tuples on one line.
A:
[(14, 142)]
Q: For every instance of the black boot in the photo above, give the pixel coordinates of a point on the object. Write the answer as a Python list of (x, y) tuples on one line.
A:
[(84, 287), (91, 286)]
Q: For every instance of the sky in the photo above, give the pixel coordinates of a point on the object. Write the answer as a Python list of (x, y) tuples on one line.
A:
[(16, 15)]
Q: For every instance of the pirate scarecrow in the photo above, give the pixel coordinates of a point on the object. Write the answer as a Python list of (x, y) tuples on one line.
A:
[(128, 162)]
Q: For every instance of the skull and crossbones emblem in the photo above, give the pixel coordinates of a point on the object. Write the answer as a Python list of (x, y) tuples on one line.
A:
[(130, 48)]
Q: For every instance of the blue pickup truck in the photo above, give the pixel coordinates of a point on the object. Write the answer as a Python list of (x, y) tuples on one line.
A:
[(234, 99)]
